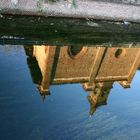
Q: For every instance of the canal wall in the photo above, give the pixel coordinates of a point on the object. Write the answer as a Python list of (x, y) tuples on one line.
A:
[(75, 9)]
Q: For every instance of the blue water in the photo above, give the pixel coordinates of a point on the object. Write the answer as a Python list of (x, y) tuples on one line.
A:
[(64, 115)]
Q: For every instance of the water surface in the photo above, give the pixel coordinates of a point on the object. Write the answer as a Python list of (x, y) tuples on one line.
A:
[(64, 115)]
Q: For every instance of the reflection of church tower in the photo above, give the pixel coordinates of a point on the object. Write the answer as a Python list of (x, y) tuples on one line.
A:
[(99, 95)]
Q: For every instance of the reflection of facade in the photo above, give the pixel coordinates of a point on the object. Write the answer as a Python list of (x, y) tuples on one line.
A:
[(96, 68)]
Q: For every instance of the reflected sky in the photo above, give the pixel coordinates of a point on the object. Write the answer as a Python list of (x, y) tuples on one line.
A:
[(65, 113)]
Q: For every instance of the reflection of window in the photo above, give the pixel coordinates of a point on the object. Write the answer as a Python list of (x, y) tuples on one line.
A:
[(119, 53), (75, 51)]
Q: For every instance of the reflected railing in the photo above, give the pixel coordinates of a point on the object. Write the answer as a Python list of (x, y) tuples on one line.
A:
[(95, 68)]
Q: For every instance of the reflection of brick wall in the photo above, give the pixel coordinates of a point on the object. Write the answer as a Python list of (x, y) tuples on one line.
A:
[(121, 68), (65, 68), (40, 54), (77, 67), (89, 66)]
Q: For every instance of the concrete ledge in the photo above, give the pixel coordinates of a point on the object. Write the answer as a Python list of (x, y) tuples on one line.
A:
[(83, 9)]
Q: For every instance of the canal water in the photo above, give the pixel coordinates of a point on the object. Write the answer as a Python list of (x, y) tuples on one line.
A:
[(65, 114)]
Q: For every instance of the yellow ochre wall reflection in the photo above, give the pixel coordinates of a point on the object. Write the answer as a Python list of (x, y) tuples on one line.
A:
[(95, 67)]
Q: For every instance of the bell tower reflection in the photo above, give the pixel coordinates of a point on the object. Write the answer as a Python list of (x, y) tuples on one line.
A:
[(95, 67), (99, 95)]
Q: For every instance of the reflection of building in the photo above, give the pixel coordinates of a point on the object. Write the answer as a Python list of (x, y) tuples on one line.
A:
[(33, 66), (96, 68), (119, 65), (99, 95)]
